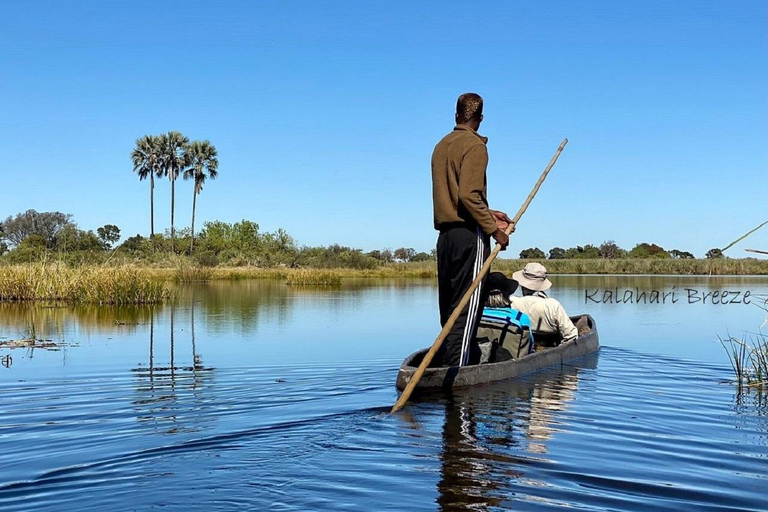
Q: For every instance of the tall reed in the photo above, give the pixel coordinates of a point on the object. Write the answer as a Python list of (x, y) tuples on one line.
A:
[(313, 277), (193, 273), (123, 284), (748, 357)]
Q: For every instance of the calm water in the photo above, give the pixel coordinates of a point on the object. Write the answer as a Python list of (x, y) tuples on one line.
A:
[(255, 394)]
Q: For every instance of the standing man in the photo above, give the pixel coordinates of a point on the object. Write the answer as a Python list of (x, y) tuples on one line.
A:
[(465, 224)]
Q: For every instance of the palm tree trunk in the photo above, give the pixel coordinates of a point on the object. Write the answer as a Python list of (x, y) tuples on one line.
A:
[(173, 204), (194, 201), (151, 206)]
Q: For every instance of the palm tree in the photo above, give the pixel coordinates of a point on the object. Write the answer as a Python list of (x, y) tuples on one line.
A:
[(146, 163), (203, 164), (173, 162)]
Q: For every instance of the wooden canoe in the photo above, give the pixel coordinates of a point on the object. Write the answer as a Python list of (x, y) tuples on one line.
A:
[(452, 377)]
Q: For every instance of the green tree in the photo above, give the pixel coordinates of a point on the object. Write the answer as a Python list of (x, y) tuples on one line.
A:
[(108, 234), (71, 239), (216, 236), (646, 250), (134, 244), (203, 164), (683, 255), (32, 248), (533, 253), (173, 161), (585, 252), (556, 253), (404, 254), (146, 158), (47, 225), (245, 236), (714, 254), (422, 256)]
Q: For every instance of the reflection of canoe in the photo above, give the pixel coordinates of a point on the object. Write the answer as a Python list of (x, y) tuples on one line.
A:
[(450, 377)]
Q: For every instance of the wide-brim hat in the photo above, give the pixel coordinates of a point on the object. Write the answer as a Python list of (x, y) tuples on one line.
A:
[(498, 282), (533, 276)]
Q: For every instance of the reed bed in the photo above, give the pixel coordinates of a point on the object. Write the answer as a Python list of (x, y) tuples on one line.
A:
[(193, 274), (313, 277), (749, 358), (126, 283), (56, 281)]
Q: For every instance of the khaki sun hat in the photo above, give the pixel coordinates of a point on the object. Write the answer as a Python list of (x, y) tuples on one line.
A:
[(533, 276)]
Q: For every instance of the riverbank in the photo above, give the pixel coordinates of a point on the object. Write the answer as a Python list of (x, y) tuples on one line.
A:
[(428, 270), (134, 283)]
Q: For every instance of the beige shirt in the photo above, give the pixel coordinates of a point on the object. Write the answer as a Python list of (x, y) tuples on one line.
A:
[(547, 316)]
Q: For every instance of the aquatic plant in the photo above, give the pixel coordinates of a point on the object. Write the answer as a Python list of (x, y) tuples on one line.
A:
[(313, 277), (748, 357), (122, 284), (193, 273)]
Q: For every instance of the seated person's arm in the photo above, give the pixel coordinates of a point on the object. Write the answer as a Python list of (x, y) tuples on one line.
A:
[(568, 331)]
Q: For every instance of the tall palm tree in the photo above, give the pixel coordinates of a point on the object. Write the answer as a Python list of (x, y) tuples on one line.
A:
[(203, 164), (146, 163), (173, 162)]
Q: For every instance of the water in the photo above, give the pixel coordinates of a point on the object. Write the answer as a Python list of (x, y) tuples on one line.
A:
[(256, 395)]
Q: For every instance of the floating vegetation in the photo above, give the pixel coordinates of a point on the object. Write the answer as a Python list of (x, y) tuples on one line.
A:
[(749, 358), (313, 277), (56, 281), (29, 343)]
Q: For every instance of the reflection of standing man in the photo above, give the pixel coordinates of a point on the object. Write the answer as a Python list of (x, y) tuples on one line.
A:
[(465, 223)]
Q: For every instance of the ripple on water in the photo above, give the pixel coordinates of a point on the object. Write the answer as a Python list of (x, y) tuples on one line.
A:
[(634, 432)]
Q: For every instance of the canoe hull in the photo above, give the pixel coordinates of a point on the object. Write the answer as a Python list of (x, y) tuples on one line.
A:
[(445, 378)]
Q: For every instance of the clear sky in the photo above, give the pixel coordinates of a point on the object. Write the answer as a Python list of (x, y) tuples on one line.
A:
[(325, 114)]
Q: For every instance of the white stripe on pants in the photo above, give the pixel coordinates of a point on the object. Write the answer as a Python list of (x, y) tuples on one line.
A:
[(473, 302)]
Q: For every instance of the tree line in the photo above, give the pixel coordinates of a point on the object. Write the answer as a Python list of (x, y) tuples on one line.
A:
[(31, 236), (171, 155), (610, 250)]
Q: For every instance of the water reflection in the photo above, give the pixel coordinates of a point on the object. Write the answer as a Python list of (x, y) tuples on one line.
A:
[(242, 305), (492, 433), (171, 398), (57, 320)]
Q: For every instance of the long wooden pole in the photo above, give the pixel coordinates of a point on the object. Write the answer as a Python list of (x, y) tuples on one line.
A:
[(465, 300), (742, 237), (755, 250)]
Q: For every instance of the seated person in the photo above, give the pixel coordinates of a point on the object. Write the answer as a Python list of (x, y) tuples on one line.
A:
[(503, 333), (549, 322)]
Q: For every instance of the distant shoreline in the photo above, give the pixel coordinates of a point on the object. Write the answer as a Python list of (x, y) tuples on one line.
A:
[(137, 283)]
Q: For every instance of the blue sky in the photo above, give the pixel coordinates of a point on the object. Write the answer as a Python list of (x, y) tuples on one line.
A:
[(325, 114)]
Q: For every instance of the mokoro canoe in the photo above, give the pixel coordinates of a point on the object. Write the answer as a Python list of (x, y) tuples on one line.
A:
[(451, 377)]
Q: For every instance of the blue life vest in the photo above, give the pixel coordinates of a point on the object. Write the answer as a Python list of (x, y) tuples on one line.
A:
[(509, 316)]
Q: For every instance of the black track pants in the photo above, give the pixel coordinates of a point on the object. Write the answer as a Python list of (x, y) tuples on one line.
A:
[(461, 252)]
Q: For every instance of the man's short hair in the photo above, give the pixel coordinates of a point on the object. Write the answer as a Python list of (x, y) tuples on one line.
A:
[(468, 106)]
